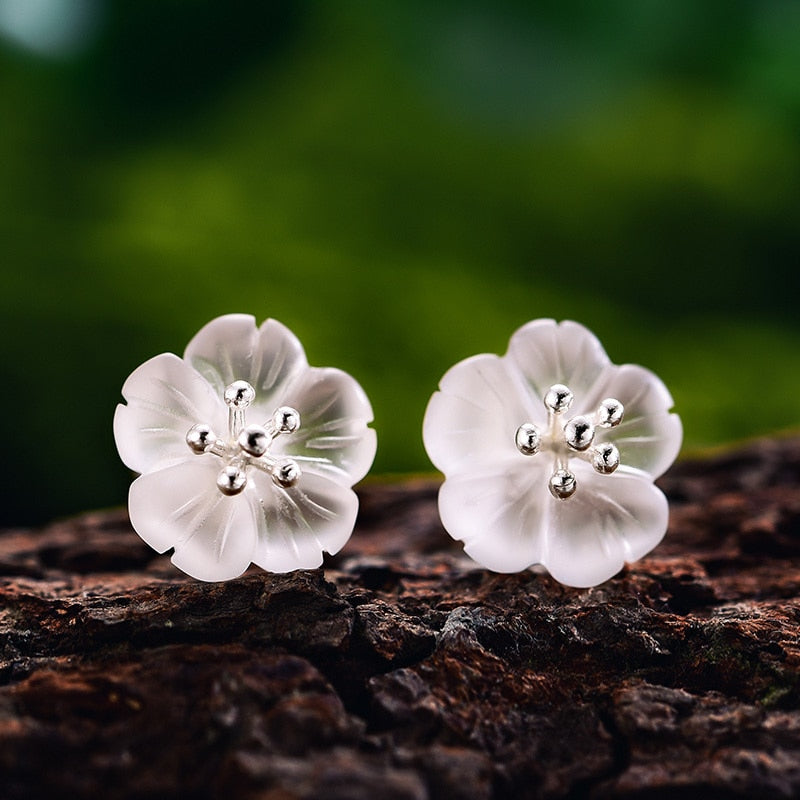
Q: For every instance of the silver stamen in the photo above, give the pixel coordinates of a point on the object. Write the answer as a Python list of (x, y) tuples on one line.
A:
[(528, 439), (286, 473), (285, 420), (605, 458), (558, 398), (231, 480), (579, 433), (609, 413), (562, 484), (200, 438), (255, 440)]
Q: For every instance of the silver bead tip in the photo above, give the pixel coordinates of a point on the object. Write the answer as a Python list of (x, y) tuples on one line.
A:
[(558, 398), (200, 438), (562, 484), (255, 440), (286, 473), (239, 394), (286, 419), (528, 439), (579, 433), (231, 480), (610, 413), (605, 458)]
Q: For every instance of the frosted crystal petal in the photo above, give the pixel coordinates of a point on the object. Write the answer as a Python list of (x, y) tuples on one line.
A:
[(472, 421), (608, 521), (499, 515), (231, 348), (213, 535), (333, 439), (649, 437), (547, 352), (296, 525), (165, 398)]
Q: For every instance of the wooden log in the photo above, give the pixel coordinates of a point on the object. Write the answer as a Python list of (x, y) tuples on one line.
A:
[(404, 671)]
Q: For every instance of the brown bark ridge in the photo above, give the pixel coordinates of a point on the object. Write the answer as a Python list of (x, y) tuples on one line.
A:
[(404, 671)]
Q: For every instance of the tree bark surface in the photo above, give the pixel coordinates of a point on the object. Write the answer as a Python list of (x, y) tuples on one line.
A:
[(404, 671)]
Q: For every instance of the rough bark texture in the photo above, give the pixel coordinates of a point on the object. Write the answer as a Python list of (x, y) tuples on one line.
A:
[(404, 671)]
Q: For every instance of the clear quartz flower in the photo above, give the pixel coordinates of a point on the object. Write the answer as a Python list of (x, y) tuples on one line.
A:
[(550, 453), (246, 453)]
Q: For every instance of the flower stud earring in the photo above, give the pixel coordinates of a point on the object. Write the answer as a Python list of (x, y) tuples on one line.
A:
[(246, 453), (549, 454)]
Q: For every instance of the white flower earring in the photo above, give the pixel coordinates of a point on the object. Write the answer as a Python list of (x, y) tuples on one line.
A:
[(550, 453), (246, 453)]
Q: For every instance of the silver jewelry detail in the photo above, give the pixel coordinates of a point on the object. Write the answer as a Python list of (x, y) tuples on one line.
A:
[(579, 433), (200, 438), (573, 438), (528, 439), (286, 420), (231, 480), (239, 394), (609, 413), (605, 458), (558, 398), (255, 440), (247, 445), (286, 473), (562, 484)]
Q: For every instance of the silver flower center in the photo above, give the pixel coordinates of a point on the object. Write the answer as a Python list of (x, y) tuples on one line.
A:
[(571, 438), (247, 446)]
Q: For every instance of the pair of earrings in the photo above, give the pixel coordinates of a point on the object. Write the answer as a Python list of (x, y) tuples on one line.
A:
[(247, 454)]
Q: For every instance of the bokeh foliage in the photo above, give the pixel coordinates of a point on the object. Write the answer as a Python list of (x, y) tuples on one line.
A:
[(402, 184)]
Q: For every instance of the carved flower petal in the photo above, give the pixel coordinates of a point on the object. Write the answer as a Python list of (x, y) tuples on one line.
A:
[(333, 440), (609, 520), (472, 421), (213, 535), (547, 352), (508, 520), (649, 437), (231, 348), (499, 515), (165, 398), (295, 525)]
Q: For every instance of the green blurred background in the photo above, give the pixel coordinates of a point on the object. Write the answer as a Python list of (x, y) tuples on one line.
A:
[(401, 183)]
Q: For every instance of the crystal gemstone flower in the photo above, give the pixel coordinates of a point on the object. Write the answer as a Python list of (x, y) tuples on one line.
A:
[(246, 453), (550, 453)]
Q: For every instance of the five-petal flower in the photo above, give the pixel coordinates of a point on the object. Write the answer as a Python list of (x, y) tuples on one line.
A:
[(246, 453), (550, 453)]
